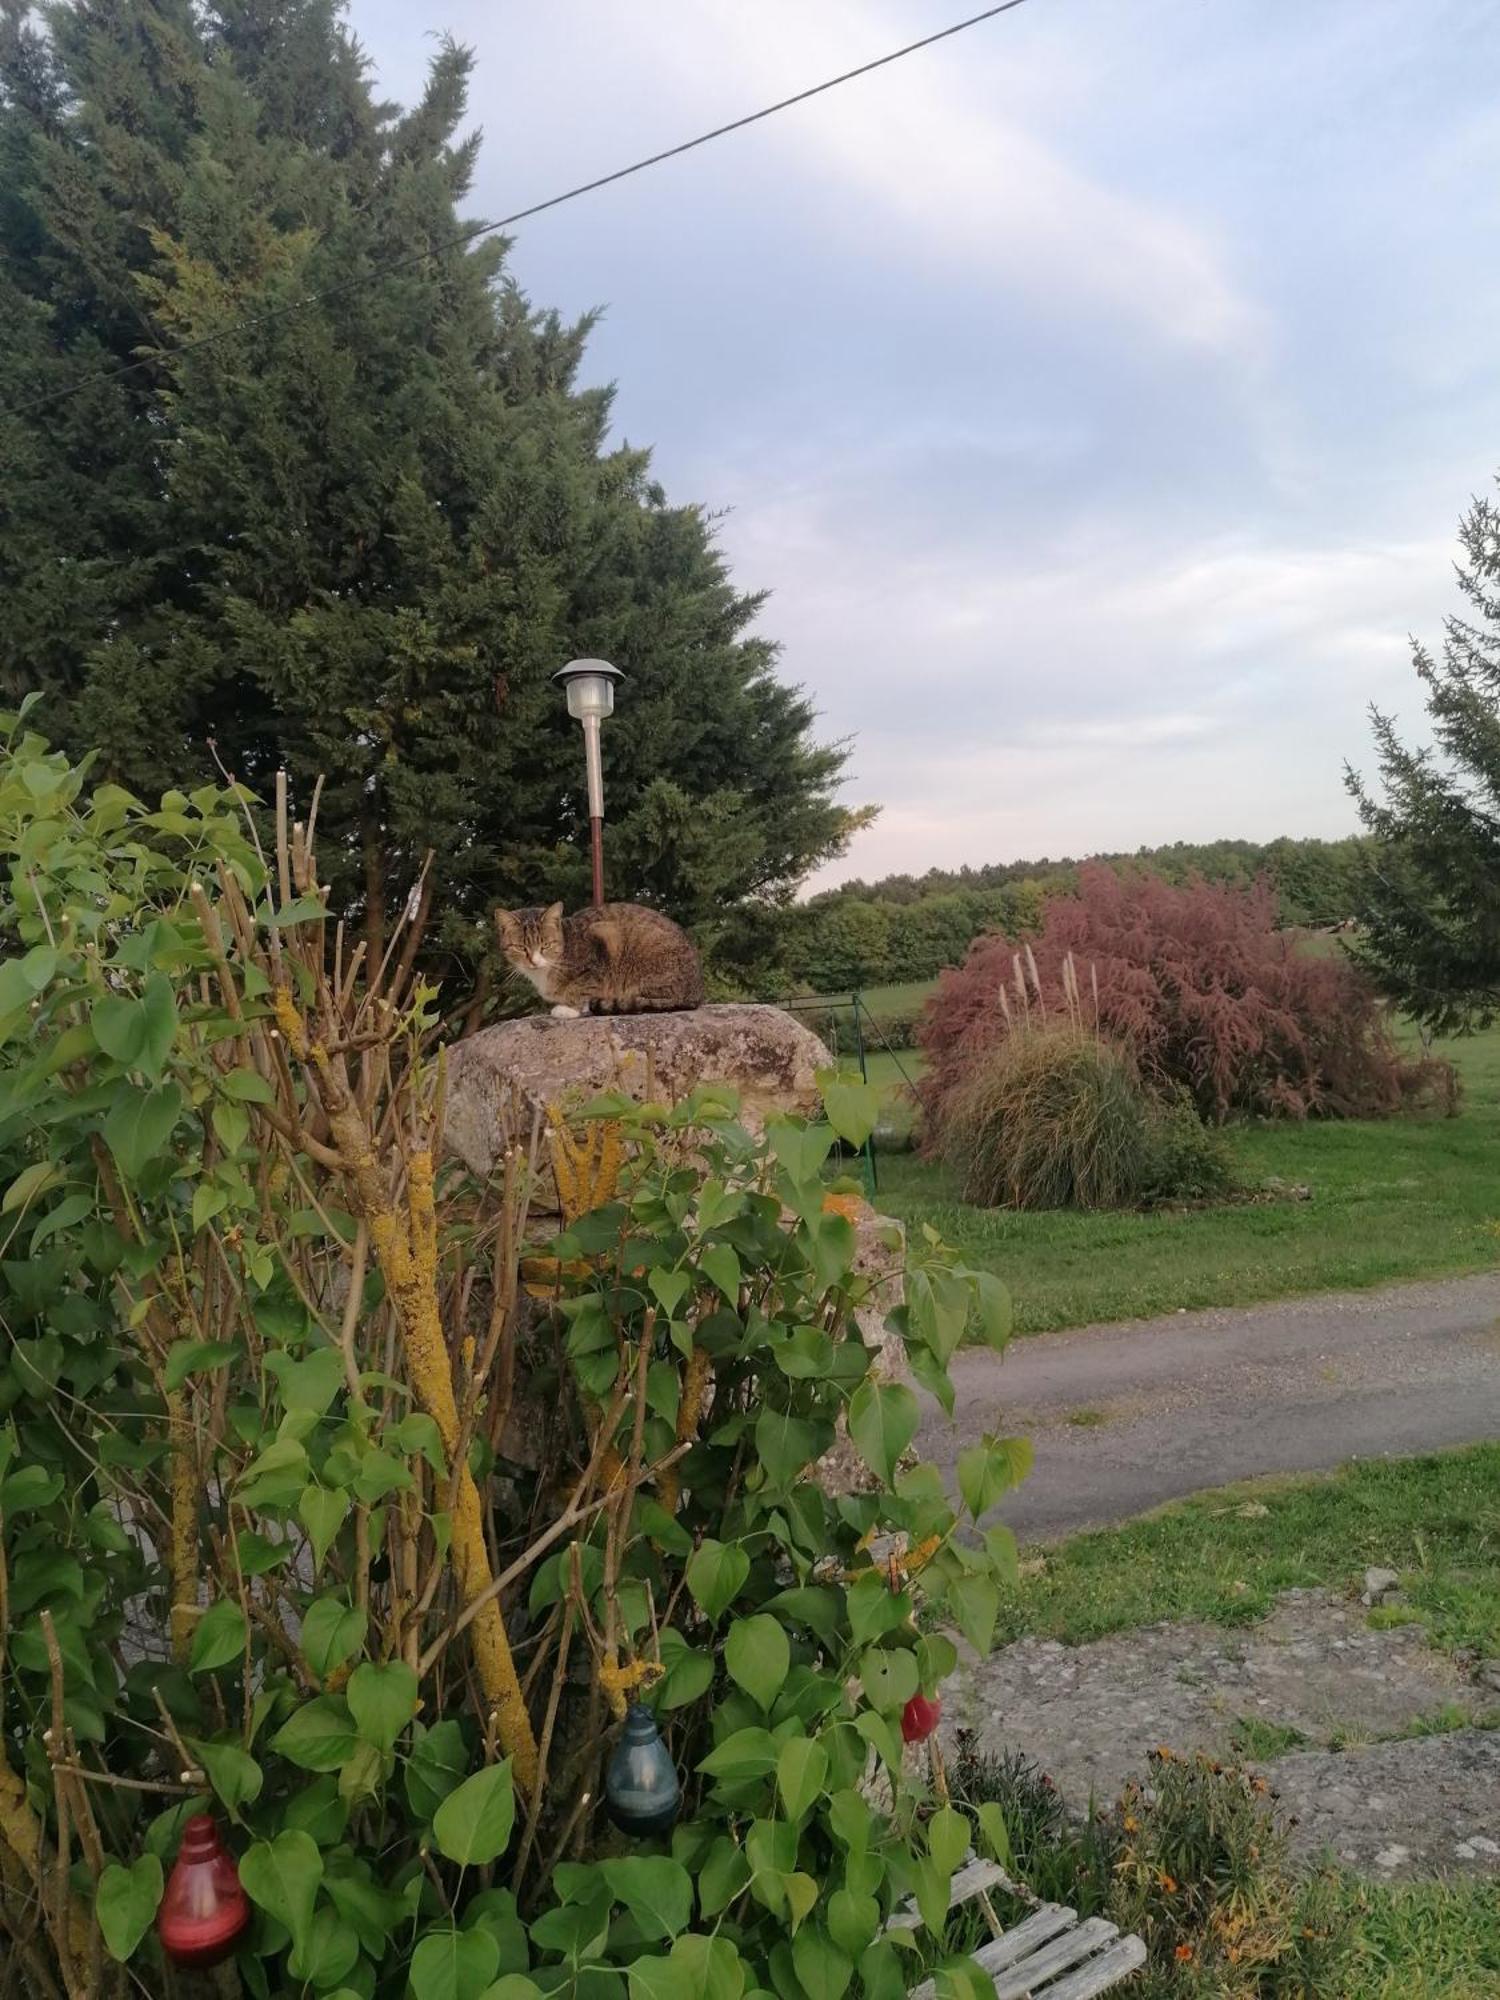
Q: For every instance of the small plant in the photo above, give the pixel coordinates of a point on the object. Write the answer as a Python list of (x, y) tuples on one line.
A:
[(1259, 1741), (1198, 1868)]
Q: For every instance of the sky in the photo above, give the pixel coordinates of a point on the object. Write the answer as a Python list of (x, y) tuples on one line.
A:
[(1096, 393)]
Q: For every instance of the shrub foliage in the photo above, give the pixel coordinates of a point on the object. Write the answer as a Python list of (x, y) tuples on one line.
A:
[(1203, 988), (312, 1514)]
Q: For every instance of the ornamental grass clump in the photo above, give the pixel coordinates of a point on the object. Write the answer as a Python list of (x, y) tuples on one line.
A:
[(1055, 1116), (346, 1501)]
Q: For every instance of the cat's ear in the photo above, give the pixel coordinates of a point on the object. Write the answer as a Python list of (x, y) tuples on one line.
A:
[(508, 924), (552, 924)]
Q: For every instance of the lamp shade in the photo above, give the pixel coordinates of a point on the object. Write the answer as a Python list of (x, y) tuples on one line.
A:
[(590, 688), (204, 1910), (641, 1789)]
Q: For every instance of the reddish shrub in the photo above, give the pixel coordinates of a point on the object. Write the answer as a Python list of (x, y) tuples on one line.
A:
[(1201, 984)]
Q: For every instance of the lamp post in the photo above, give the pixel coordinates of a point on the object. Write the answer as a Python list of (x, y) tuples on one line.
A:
[(590, 688)]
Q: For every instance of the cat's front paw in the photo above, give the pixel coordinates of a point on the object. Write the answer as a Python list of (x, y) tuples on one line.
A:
[(561, 1013)]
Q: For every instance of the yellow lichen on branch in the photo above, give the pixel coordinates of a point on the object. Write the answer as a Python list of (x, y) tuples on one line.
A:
[(185, 1608), (695, 1380), (405, 1249), (407, 1256), (587, 1169)]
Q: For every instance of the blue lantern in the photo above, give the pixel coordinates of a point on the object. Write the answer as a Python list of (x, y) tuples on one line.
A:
[(641, 1790)]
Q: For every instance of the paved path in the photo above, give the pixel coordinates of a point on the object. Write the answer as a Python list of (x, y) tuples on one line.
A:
[(1200, 1399)]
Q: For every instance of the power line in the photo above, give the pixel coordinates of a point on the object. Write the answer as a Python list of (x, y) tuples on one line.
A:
[(480, 229)]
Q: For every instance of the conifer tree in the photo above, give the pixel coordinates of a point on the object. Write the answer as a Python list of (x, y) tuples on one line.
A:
[(352, 533), (1430, 890)]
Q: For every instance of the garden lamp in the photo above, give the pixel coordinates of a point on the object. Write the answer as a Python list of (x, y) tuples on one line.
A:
[(590, 688)]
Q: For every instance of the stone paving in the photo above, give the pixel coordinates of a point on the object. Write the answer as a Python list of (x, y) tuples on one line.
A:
[(1361, 1781)]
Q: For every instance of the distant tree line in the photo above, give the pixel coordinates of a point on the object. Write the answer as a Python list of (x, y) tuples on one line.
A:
[(908, 927)]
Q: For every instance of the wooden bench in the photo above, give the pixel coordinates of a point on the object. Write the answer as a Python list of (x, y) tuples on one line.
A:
[(1049, 1955)]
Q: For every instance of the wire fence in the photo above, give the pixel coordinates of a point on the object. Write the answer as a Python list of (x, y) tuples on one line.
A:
[(845, 1022)]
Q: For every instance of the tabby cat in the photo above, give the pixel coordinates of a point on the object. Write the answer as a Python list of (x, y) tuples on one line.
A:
[(618, 959)]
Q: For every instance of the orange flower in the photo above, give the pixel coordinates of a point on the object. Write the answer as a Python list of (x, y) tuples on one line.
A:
[(1132, 1824), (1183, 1953), (1166, 1882)]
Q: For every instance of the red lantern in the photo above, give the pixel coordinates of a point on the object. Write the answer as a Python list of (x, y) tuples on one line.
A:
[(919, 1718), (204, 1910)]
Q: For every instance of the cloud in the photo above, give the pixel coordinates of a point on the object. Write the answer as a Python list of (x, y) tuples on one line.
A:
[(928, 163)]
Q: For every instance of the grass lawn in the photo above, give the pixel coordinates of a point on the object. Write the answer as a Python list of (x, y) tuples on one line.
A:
[(1398, 1198), (1226, 1556)]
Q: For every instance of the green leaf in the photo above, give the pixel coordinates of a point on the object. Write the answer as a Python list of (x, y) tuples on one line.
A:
[(195, 1357), (881, 1976), (139, 1124), (996, 1833), (989, 1469), (948, 1838), (311, 1384), (874, 1608), (246, 1086), (748, 1753), (669, 1288), (234, 1775), (1005, 1560), (814, 1605), (120, 1027), (823, 1969), (888, 1676), (807, 1356), (160, 1010), (716, 1574), (852, 1920), (29, 1183), (231, 1123), (454, 1965), (996, 1314), (723, 1875), (657, 1978), (878, 1733), (473, 1824), (276, 1477), (320, 1736), (785, 1444), (801, 1773), (322, 1513), (713, 1967), (975, 1603), (757, 1655), (933, 1887), (801, 1148), (419, 1433), (719, 1264), (318, 1810), (853, 1108), (382, 1699), (689, 1673), (125, 1902), (883, 1418), (851, 1819), (331, 1633), (435, 1766), (657, 1892), (282, 1877), (218, 1638)]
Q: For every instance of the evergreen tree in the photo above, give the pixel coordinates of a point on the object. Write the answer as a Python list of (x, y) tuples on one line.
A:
[(1430, 889), (352, 534)]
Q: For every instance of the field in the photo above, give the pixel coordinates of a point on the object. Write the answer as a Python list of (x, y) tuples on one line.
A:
[(1341, 1205)]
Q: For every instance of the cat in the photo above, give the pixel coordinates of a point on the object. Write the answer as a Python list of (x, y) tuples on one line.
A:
[(618, 959)]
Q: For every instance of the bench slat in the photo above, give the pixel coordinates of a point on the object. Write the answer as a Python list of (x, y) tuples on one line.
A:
[(1100, 1974), (1029, 1936), (1027, 1975)]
